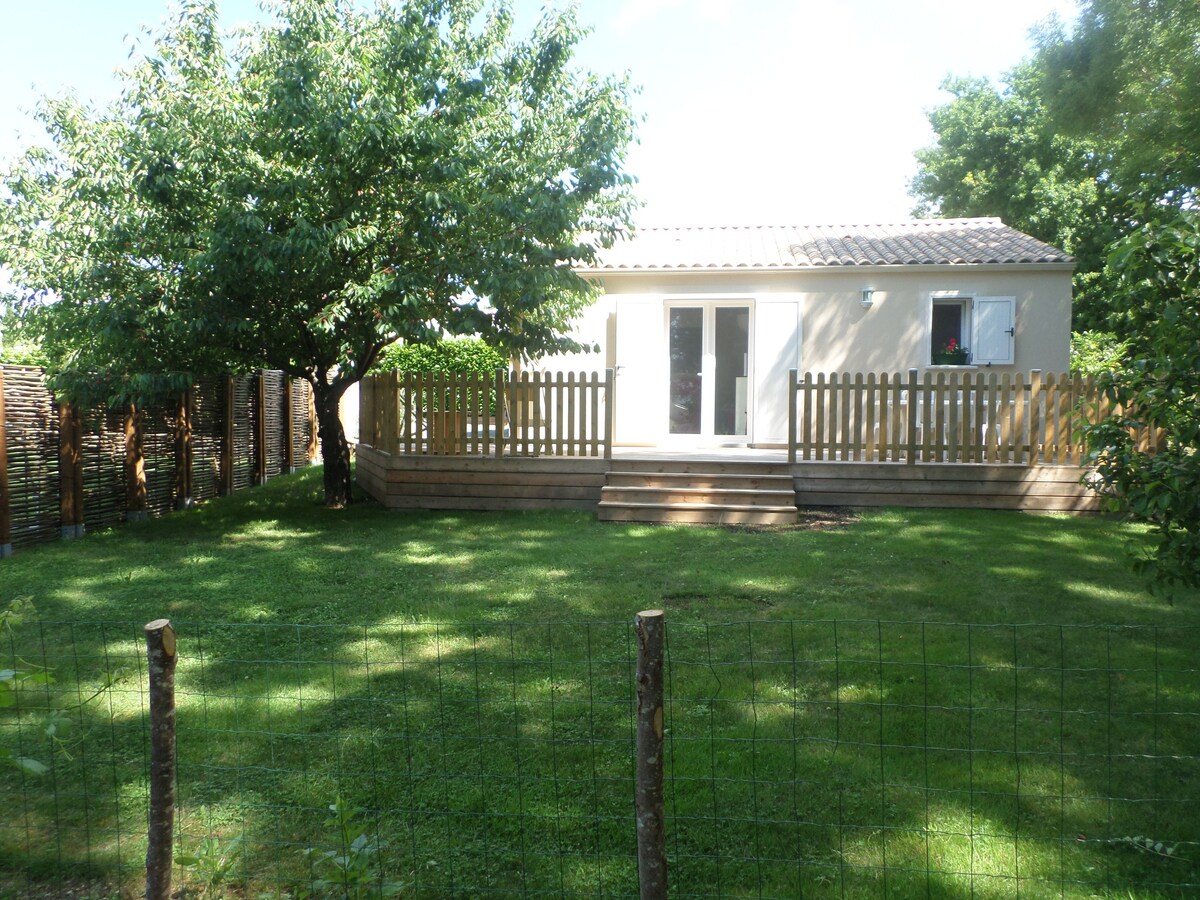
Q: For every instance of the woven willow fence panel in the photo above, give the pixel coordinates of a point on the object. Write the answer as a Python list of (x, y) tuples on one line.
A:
[(43, 499), (31, 424)]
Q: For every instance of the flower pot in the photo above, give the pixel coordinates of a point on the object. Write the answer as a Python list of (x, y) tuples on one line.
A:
[(950, 358)]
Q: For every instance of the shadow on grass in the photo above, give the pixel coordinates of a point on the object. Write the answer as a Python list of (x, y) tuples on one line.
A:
[(813, 748)]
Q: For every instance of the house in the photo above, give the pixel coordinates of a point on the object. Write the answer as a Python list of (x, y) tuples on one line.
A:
[(702, 325)]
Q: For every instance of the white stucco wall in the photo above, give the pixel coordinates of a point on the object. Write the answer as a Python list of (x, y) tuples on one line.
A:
[(811, 321)]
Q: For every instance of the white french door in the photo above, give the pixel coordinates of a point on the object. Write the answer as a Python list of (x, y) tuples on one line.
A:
[(708, 364)]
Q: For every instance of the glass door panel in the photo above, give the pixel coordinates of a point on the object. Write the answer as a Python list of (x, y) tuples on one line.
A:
[(686, 348), (731, 361)]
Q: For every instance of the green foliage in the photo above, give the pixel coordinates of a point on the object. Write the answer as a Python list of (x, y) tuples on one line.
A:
[(212, 865), (22, 353), (1093, 137), (1157, 270), (1000, 153), (1097, 352), (467, 355), (17, 346), (342, 180), (15, 681), (1149, 846), (1129, 75), (351, 870), (32, 708)]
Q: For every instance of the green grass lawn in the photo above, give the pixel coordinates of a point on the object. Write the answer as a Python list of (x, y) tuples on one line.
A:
[(907, 703)]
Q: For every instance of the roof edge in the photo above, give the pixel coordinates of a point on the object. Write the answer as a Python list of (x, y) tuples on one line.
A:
[(1049, 265)]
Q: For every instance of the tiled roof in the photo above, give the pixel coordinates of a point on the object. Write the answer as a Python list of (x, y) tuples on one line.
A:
[(918, 242)]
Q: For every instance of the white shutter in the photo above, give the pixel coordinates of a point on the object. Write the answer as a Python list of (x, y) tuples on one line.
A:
[(992, 330)]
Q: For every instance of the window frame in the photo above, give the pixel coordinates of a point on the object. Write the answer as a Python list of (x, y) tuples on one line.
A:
[(965, 301)]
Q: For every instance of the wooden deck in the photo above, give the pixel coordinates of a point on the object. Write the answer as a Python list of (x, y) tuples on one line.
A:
[(413, 481)]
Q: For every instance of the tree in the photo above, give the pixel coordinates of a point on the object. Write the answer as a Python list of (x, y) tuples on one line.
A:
[(999, 152), (341, 181), (1129, 76), (1157, 273), (1093, 147)]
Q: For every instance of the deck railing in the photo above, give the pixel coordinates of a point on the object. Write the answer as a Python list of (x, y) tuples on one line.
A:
[(948, 417), (490, 414)]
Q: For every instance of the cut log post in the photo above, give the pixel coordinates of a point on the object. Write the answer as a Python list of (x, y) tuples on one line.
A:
[(5, 490), (651, 817), (160, 658)]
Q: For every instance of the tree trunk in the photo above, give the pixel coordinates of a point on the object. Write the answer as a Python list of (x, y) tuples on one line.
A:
[(335, 451)]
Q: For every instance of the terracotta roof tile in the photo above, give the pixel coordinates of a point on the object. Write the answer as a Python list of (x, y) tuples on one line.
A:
[(912, 243)]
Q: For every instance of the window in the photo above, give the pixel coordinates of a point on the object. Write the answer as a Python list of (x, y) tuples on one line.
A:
[(951, 325), (972, 331)]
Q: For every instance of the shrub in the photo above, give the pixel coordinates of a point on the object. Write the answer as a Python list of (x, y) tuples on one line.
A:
[(1096, 352), (469, 355)]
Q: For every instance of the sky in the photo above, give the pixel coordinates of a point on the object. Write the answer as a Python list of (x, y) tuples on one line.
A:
[(755, 111)]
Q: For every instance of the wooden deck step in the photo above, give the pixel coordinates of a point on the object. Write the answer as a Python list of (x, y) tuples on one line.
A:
[(668, 480), (698, 493), (702, 467)]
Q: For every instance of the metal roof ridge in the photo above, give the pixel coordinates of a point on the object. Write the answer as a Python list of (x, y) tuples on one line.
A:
[(779, 226)]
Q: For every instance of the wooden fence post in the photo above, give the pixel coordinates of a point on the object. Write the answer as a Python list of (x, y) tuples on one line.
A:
[(160, 658), (5, 494), (183, 451), (610, 410), (391, 429), (227, 439), (1035, 417), (651, 824), (289, 427), (260, 428), (314, 437), (135, 465), (70, 469), (503, 412), (913, 417)]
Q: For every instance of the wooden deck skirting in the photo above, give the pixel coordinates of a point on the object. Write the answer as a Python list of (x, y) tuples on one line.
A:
[(400, 481), (948, 485)]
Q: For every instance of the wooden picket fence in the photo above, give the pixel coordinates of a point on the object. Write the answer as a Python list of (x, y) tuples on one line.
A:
[(944, 417), (65, 470), (566, 414)]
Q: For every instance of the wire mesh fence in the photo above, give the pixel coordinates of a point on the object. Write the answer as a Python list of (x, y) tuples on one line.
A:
[(803, 758)]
